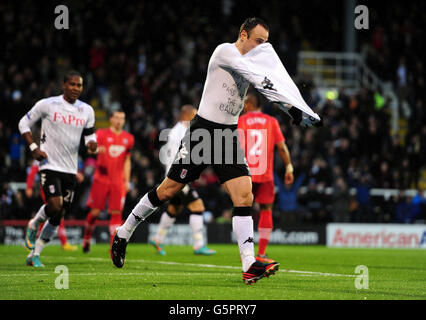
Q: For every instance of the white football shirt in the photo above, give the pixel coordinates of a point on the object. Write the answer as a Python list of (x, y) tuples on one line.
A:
[(229, 75), (62, 125)]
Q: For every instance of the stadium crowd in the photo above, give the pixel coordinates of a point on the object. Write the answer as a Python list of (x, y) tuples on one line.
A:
[(149, 58)]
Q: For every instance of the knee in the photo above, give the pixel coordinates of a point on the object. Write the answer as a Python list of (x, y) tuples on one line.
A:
[(166, 193), (54, 208), (246, 198), (196, 206), (56, 218), (173, 210)]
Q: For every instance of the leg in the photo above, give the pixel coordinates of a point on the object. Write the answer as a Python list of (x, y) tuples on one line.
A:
[(33, 226), (241, 195), (196, 209), (265, 227), (89, 228), (116, 200), (167, 219), (96, 202), (240, 190), (114, 223), (147, 205), (62, 235), (55, 214), (265, 197)]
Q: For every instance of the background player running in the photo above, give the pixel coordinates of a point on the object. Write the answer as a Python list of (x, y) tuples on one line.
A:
[(64, 119), (112, 175), (261, 133), (188, 197)]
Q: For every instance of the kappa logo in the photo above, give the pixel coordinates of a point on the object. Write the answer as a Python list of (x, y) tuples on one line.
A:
[(183, 173), (267, 84), (249, 240)]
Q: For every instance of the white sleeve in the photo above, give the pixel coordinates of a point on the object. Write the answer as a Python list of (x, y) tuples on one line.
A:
[(91, 119), (32, 116), (89, 130)]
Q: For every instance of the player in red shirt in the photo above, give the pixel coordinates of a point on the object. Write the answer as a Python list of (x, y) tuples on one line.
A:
[(111, 177), (259, 135)]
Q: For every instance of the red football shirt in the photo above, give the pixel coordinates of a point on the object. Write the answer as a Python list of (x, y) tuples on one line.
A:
[(110, 164), (259, 133)]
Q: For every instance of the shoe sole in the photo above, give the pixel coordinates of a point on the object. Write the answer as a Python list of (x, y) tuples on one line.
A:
[(268, 272)]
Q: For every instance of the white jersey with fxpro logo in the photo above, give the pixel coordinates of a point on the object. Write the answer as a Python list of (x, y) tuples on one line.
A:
[(62, 125)]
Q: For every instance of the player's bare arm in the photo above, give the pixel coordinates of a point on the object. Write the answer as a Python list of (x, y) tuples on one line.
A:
[(126, 172), (285, 157), (37, 153)]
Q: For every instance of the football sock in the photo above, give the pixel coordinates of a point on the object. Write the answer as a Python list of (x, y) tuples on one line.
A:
[(146, 206), (265, 229), (39, 245), (40, 217), (114, 223), (196, 223), (243, 229), (166, 221), (89, 227), (46, 235), (61, 233)]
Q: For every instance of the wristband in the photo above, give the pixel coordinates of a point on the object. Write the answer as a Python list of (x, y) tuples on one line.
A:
[(33, 146), (289, 168)]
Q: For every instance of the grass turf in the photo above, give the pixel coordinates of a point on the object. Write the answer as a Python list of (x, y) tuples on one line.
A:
[(306, 273)]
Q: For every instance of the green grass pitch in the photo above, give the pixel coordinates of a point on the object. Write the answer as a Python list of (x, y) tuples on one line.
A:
[(306, 273)]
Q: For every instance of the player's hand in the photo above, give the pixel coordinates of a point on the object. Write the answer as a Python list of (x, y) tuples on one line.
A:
[(80, 177), (126, 186), (310, 122), (101, 149), (299, 118), (289, 178), (39, 155), (92, 147), (29, 192)]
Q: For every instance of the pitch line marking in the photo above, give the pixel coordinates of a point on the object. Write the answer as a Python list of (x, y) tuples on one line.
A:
[(311, 273)]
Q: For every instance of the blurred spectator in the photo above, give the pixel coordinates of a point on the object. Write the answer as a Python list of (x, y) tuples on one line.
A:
[(364, 212), (418, 206), (16, 155), (291, 211), (403, 209), (341, 202)]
